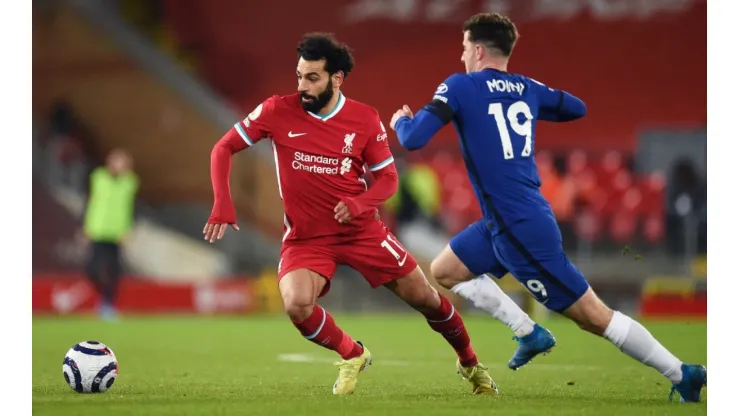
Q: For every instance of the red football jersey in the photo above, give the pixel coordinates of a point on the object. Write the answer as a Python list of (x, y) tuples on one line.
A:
[(319, 158)]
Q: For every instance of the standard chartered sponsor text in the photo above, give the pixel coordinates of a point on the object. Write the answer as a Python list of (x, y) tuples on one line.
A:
[(318, 164)]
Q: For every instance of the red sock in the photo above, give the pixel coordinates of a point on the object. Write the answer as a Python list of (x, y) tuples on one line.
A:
[(321, 329), (450, 325)]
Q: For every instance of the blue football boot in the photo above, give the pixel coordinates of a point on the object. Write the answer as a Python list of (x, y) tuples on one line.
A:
[(694, 379), (540, 341)]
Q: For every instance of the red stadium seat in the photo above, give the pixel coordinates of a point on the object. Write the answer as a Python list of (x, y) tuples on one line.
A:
[(453, 179), (442, 162), (622, 180), (612, 161), (598, 201), (460, 207), (585, 185), (615, 190), (653, 191), (653, 229), (544, 161), (632, 200), (608, 169), (588, 226), (622, 226)]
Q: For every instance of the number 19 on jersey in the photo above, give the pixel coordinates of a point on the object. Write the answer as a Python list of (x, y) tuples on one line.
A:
[(511, 121)]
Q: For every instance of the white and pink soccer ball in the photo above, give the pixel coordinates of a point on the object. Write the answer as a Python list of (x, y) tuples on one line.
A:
[(90, 367)]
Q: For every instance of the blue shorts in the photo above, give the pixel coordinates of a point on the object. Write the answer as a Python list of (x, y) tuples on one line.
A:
[(532, 251)]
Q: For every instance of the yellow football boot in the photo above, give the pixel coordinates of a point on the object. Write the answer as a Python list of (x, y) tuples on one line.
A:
[(349, 370), (479, 378)]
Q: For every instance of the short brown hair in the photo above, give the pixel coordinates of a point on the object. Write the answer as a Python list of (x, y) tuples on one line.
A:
[(493, 31)]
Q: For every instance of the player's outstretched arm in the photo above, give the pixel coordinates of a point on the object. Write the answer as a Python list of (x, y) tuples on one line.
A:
[(223, 213), (557, 105), (245, 133), (414, 132)]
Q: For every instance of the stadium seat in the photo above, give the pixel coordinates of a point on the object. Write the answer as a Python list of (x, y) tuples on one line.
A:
[(588, 226), (632, 200), (612, 161), (615, 190), (653, 190), (653, 228), (622, 226)]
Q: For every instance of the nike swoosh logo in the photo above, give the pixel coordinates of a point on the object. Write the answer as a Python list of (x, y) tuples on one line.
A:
[(402, 262), (291, 134)]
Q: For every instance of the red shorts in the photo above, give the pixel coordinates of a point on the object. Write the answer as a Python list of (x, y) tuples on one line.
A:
[(374, 252)]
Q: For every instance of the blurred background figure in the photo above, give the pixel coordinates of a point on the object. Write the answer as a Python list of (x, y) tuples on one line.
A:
[(66, 147), (686, 217), (165, 79), (108, 221)]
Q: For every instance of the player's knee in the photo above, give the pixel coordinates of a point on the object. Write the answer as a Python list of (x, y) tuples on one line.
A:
[(298, 310), (297, 305), (448, 270), (299, 290), (443, 273)]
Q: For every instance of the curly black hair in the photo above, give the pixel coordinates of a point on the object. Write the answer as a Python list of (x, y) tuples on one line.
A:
[(318, 46)]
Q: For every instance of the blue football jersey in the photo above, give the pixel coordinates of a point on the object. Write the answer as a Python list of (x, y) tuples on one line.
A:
[(495, 114)]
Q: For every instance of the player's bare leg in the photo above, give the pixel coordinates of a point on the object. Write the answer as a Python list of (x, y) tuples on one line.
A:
[(442, 317), (299, 290), (450, 272), (592, 315)]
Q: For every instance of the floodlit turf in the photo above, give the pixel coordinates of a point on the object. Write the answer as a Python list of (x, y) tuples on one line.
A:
[(183, 366)]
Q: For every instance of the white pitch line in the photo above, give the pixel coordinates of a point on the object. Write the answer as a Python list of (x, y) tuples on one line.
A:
[(553, 367), (310, 359)]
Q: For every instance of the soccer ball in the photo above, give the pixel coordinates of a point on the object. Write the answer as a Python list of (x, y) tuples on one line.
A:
[(90, 367)]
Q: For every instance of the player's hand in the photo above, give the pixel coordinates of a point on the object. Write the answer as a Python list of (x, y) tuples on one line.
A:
[(404, 112), (341, 213), (215, 232)]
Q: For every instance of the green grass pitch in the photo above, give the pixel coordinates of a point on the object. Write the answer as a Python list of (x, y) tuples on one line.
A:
[(256, 365)]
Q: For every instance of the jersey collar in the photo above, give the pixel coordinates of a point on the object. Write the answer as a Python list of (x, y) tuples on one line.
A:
[(333, 112)]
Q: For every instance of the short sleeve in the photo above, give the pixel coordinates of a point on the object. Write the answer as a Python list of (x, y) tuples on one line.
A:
[(258, 124), (377, 153)]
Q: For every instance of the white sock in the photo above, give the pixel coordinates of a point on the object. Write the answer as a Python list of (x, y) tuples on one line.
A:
[(486, 295), (634, 340)]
